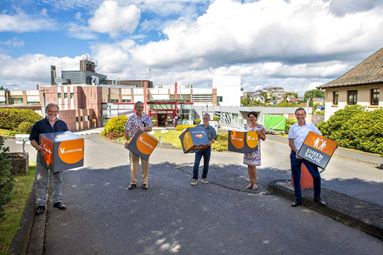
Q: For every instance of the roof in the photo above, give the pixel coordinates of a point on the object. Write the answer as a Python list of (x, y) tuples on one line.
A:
[(368, 71)]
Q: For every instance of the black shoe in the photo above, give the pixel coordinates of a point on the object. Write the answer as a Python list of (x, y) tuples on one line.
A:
[(40, 210), (296, 203), (132, 186), (144, 186), (59, 205), (320, 201)]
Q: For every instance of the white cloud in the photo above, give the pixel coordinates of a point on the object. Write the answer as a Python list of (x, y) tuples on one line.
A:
[(22, 22), (27, 71), (81, 32), (72, 4), (273, 30), (112, 18), (13, 42)]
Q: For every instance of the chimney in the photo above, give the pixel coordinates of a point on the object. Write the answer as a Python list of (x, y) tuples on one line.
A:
[(53, 75)]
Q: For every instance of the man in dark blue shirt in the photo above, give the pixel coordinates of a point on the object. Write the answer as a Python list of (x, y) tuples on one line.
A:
[(205, 153), (47, 125)]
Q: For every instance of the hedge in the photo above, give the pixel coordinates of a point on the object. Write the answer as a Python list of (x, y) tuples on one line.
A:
[(353, 127), (115, 127), (221, 143), (182, 127), (11, 118), (289, 123), (6, 178), (25, 127)]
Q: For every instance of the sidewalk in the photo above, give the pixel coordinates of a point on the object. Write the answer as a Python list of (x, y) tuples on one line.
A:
[(366, 157), (353, 212)]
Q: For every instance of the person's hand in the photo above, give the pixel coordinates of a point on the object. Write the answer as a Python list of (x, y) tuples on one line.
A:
[(41, 148)]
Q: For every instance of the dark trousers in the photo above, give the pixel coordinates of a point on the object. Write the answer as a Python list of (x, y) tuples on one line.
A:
[(206, 158), (296, 172)]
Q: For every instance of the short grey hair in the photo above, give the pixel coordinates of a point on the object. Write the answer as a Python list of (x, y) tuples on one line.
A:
[(137, 103), (206, 114), (51, 105)]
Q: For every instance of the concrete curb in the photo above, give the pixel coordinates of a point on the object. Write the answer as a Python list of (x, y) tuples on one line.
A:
[(350, 211)]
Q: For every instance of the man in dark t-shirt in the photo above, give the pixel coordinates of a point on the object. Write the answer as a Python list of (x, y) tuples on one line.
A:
[(47, 125)]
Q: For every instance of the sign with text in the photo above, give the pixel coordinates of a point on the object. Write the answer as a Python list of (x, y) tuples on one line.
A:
[(317, 149), (243, 141), (63, 150), (142, 144), (194, 139)]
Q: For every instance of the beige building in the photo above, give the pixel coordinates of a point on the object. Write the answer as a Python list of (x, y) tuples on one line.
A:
[(362, 85)]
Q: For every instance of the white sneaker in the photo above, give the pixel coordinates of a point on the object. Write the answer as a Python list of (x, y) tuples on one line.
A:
[(194, 182), (204, 180)]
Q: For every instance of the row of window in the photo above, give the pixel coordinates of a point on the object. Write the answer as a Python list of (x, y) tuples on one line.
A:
[(65, 95), (352, 97), (82, 118)]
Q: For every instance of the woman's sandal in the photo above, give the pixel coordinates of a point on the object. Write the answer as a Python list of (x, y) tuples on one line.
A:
[(249, 186), (254, 186)]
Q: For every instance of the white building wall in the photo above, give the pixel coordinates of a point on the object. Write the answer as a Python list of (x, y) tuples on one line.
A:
[(229, 88)]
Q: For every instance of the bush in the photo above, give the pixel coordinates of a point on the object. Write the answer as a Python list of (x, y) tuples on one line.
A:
[(11, 118), (115, 126), (182, 127), (216, 118), (289, 123), (355, 128), (333, 127), (6, 179), (221, 143), (24, 128), (197, 121)]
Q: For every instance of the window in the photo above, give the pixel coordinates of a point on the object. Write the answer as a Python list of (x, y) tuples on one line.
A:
[(71, 95), (59, 95), (352, 97), (219, 98), (65, 95), (335, 97), (374, 97)]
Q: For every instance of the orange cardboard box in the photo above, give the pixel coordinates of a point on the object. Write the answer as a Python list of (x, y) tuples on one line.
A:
[(242, 141), (193, 139), (64, 150), (142, 144)]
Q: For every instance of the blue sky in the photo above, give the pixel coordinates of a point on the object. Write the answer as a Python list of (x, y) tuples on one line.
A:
[(296, 44)]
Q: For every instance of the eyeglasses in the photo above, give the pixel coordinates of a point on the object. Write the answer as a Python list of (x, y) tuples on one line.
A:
[(139, 107)]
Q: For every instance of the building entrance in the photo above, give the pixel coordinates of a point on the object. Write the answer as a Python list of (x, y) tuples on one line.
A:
[(161, 118)]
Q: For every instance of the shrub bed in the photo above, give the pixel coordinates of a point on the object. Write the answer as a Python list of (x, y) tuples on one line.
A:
[(12, 118)]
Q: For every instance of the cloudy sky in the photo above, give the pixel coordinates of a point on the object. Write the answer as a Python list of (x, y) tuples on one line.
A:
[(296, 44)]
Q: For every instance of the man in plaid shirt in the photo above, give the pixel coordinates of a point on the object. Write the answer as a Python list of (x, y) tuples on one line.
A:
[(138, 120)]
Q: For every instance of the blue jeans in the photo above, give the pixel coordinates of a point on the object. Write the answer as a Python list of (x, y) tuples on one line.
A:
[(296, 172), (206, 158)]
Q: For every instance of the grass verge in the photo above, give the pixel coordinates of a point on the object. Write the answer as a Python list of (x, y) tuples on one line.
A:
[(170, 137), (10, 223)]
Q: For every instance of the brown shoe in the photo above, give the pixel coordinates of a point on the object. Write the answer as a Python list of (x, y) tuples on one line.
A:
[(132, 186), (144, 186)]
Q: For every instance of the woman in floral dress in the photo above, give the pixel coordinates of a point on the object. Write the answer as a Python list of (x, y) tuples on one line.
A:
[(253, 159)]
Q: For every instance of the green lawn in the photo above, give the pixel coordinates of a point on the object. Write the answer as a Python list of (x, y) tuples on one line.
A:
[(9, 224), (4, 132), (170, 137)]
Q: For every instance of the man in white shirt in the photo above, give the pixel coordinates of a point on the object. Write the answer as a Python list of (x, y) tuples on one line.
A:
[(297, 136)]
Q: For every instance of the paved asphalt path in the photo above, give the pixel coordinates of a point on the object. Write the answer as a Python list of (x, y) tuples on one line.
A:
[(172, 217)]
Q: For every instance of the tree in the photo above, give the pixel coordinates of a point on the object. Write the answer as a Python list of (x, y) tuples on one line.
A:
[(314, 93)]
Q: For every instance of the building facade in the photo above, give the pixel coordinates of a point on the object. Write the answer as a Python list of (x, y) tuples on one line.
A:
[(362, 85)]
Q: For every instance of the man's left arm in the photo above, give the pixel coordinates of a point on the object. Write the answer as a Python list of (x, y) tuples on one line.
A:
[(213, 135)]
